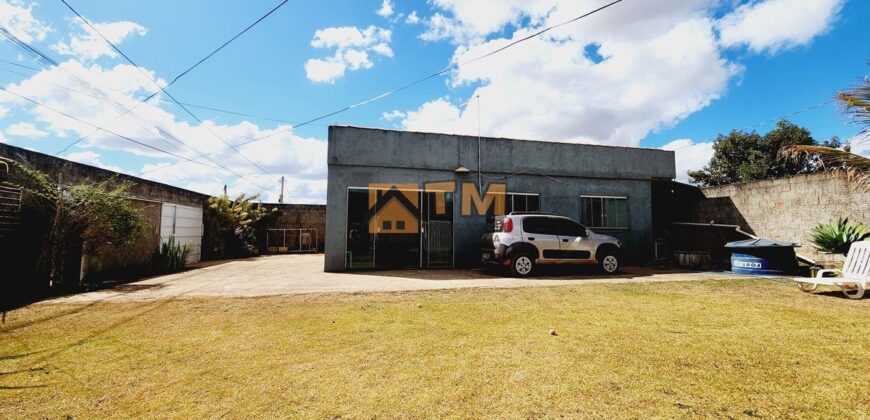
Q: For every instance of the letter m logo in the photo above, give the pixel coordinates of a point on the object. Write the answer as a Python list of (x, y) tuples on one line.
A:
[(495, 196)]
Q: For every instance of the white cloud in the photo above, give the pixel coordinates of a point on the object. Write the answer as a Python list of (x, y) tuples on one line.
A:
[(393, 115), (439, 116), (302, 160), (860, 144), (663, 61), (25, 129), (88, 45), (19, 21), (440, 27), (772, 25), (386, 9), (92, 158), (689, 156), (3, 111), (412, 18), (344, 37), (357, 59), (663, 64), (352, 47), (324, 71)]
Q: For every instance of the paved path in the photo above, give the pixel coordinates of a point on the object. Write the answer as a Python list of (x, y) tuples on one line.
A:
[(302, 274)]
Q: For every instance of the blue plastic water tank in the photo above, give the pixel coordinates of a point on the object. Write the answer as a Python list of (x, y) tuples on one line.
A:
[(763, 257)]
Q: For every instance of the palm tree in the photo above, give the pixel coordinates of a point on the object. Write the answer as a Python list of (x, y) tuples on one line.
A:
[(856, 167), (856, 102)]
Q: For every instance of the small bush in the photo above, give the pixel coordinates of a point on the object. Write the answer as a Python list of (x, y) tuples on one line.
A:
[(171, 257), (837, 236)]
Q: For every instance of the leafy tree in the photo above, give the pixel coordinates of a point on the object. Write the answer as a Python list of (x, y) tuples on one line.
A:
[(836, 143), (740, 156), (232, 225), (93, 215)]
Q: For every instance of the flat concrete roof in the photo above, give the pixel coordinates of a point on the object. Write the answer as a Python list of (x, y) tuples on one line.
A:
[(361, 146)]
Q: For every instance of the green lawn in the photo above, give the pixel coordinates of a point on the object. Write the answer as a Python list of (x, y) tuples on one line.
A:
[(720, 348)]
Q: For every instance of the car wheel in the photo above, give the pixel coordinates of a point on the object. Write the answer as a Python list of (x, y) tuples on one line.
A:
[(608, 262), (521, 265)]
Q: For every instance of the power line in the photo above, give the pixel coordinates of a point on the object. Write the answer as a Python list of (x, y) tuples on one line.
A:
[(225, 43), (163, 89), (48, 62), (161, 132), (37, 103), (20, 65), (219, 166), (431, 76), (188, 104), (748, 127), (40, 57)]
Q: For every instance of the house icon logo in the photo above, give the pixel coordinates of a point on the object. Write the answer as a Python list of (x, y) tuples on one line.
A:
[(394, 209)]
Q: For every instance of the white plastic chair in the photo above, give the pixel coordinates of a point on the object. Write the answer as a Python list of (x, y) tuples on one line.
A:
[(853, 279)]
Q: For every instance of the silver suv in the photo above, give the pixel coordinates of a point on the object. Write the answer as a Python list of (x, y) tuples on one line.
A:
[(521, 241)]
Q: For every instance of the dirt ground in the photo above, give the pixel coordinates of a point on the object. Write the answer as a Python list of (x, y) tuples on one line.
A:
[(303, 274)]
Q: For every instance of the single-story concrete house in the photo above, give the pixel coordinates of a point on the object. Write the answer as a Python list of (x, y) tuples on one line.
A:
[(399, 199)]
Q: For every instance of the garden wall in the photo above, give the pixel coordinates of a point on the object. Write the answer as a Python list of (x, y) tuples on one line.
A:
[(784, 209), (298, 216)]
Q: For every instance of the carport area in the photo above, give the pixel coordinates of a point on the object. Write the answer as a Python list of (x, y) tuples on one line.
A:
[(303, 274)]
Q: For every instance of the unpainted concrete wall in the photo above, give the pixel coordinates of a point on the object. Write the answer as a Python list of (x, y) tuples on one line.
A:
[(559, 172), (785, 209), (113, 261), (69, 172)]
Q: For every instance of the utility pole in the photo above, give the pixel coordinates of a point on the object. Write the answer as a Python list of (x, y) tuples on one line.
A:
[(225, 189), (281, 198), (479, 170)]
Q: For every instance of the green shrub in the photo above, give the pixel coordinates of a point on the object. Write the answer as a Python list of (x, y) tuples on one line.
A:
[(171, 257), (231, 226), (837, 236)]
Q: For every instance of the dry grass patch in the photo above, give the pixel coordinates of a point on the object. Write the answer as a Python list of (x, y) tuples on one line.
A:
[(719, 348)]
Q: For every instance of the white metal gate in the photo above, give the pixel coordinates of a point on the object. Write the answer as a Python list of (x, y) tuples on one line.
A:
[(284, 241), (185, 224)]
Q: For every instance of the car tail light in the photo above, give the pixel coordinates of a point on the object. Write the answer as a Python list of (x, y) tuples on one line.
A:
[(507, 225)]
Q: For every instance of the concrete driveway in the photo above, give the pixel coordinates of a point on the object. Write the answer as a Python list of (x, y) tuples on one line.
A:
[(303, 274)]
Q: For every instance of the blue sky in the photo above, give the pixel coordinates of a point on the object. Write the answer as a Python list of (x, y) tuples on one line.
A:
[(672, 74)]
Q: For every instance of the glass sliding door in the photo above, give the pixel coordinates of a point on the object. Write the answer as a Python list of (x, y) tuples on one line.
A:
[(360, 250), (396, 225), (392, 228)]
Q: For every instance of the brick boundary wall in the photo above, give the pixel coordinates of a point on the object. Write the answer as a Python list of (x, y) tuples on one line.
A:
[(785, 209)]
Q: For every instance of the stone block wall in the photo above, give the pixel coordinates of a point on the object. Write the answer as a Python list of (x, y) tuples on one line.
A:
[(785, 209), (299, 216)]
